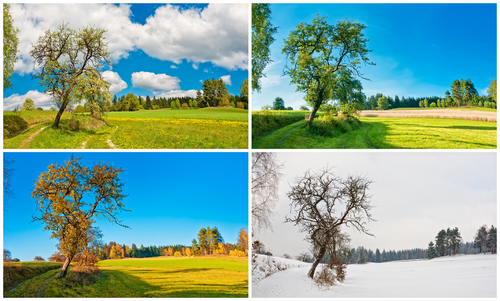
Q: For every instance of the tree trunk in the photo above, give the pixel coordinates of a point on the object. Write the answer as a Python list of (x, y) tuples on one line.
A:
[(58, 116), (311, 116), (65, 267), (321, 253)]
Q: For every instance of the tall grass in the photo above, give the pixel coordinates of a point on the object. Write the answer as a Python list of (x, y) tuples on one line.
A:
[(464, 114), (16, 273), (266, 122)]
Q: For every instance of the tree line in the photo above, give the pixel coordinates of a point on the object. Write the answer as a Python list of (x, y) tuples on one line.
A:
[(463, 93)]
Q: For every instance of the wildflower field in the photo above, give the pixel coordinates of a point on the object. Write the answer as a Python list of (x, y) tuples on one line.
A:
[(210, 128), (178, 277)]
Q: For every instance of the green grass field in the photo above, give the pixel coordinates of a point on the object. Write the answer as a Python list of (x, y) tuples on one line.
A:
[(165, 129), (208, 277), (384, 133)]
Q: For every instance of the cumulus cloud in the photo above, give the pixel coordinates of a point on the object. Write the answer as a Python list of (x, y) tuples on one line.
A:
[(40, 99), (155, 82), (174, 66), (117, 83), (217, 33), (177, 94), (226, 79)]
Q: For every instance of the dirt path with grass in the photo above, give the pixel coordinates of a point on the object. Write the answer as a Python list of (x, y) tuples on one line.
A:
[(111, 144), (26, 142), (433, 113)]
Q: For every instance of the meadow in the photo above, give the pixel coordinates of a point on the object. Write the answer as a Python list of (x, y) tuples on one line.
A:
[(389, 133), (178, 277), (212, 128)]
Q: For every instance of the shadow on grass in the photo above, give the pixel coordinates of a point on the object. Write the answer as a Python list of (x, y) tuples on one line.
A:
[(482, 128)]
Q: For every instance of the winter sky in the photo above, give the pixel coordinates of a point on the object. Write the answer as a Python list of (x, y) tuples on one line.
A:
[(419, 49), (415, 194), (158, 50), (171, 195)]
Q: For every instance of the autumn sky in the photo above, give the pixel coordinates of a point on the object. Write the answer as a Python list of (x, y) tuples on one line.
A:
[(419, 49), (158, 50), (171, 195)]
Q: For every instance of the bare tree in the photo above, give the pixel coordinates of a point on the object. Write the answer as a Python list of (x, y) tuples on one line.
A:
[(323, 203), (266, 175), (304, 256)]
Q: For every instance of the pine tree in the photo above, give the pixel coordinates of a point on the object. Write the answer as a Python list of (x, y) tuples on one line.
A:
[(491, 241), (361, 255), (377, 256), (431, 251)]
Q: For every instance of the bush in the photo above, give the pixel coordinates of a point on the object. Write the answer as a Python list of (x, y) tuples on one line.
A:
[(57, 257), (155, 107), (39, 258), (177, 254), (224, 102), (325, 277), (80, 109), (433, 105), (85, 262), (241, 253), (240, 105), (185, 106), (331, 126)]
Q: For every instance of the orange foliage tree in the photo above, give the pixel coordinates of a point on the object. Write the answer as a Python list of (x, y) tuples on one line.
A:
[(243, 240), (60, 192)]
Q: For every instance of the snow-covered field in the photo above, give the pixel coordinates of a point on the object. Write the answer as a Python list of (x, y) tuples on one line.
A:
[(456, 276)]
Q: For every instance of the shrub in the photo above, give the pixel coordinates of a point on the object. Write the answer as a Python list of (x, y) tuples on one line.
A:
[(140, 107), (177, 253), (224, 102), (432, 105), (325, 277), (233, 253), (39, 109), (39, 258), (240, 105), (185, 106), (241, 253), (57, 257), (80, 109), (85, 262), (155, 107), (331, 126)]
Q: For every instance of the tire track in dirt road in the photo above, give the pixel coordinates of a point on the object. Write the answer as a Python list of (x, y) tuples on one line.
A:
[(26, 142)]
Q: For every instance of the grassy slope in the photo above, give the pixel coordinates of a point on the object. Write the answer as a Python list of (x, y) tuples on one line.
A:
[(220, 276), (143, 133), (214, 114), (377, 132), (16, 273)]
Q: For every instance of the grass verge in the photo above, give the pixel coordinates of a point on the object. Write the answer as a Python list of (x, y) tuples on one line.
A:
[(385, 133), (16, 273)]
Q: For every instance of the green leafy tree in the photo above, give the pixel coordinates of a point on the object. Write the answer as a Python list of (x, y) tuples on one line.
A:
[(383, 103), (10, 43), (65, 211), (278, 104), (244, 90), (65, 56), (456, 92), (95, 90), (318, 51), (304, 108), (492, 89), (28, 105), (426, 103), (262, 38)]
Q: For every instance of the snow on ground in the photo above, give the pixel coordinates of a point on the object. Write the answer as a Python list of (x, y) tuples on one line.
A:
[(469, 276)]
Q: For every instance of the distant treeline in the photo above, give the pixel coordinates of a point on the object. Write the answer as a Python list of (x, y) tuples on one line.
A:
[(463, 93)]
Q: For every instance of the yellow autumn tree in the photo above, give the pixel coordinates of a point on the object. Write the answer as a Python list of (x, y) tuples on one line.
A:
[(188, 252), (170, 251), (59, 193), (114, 253), (220, 248), (177, 254)]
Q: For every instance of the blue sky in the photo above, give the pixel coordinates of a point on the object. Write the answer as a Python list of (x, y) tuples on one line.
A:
[(419, 49), (171, 195), (158, 50)]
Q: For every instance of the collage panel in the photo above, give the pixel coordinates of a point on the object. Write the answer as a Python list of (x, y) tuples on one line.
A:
[(126, 76), (374, 76), (374, 225), (127, 224)]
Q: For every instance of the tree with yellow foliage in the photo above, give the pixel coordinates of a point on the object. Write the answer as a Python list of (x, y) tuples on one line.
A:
[(69, 197), (188, 252)]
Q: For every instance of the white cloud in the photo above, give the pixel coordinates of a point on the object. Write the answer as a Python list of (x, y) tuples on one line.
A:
[(205, 70), (226, 79), (40, 99), (174, 67), (117, 84), (177, 93), (217, 34), (155, 82), (195, 66)]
